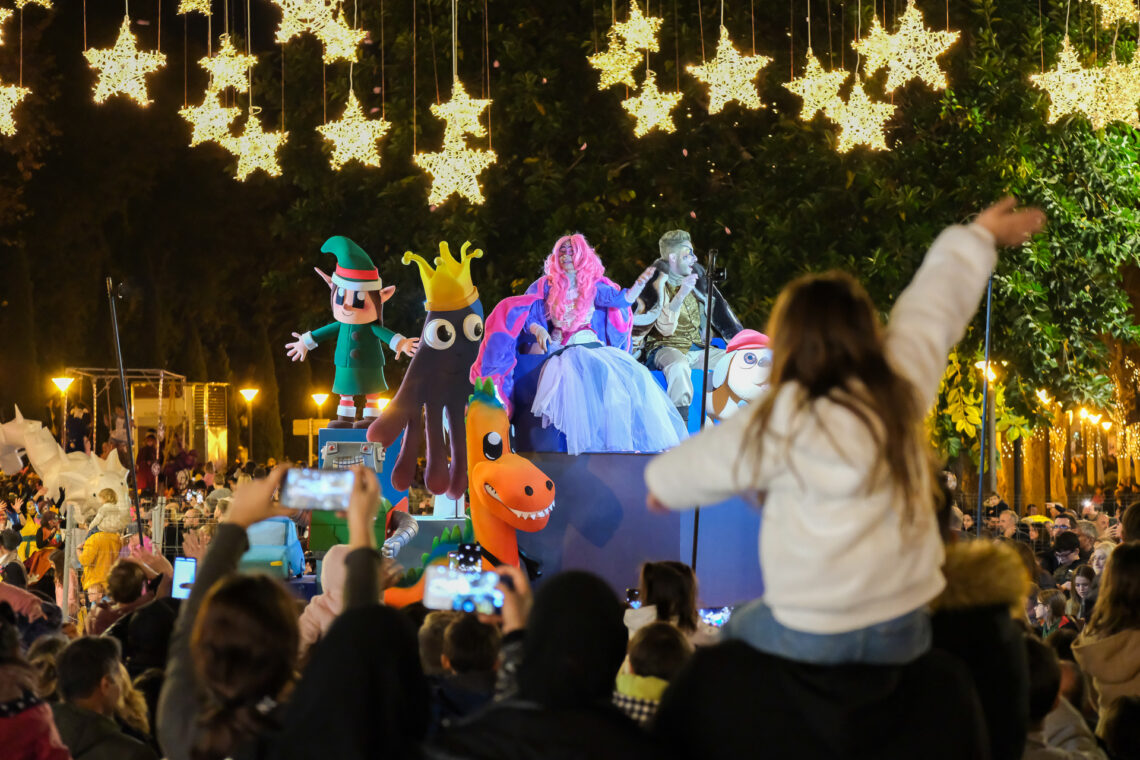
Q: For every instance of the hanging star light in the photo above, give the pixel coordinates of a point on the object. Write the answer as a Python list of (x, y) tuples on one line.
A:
[(911, 52), (354, 137), (638, 31), (42, 3), (651, 107), (255, 148), (1118, 94), (123, 68), (455, 171), (194, 6), (1072, 88), (462, 114), (1113, 11), (616, 64), (10, 97), (5, 14), (325, 20), (861, 120), (730, 75), (210, 121), (228, 67), (818, 88)]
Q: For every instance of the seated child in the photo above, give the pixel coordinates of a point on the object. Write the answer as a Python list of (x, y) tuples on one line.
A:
[(111, 517)]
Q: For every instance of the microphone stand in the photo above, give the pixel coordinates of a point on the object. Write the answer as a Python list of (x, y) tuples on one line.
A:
[(126, 408), (704, 380), (985, 412)]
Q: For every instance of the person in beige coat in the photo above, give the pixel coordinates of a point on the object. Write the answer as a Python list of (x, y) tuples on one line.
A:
[(1108, 650)]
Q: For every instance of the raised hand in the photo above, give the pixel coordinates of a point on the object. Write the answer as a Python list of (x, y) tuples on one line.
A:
[(297, 350), (363, 506), (1010, 225), (253, 502), (408, 347), (541, 336)]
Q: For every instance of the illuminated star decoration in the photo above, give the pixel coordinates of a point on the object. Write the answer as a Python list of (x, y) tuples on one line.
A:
[(651, 107), (861, 120), (191, 6), (1117, 95), (911, 52), (123, 68), (1113, 11), (615, 65), (462, 114), (228, 67), (325, 20), (456, 168), (210, 121), (10, 97), (42, 3), (638, 31), (5, 14), (1072, 88), (730, 75), (818, 88), (255, 149), (354, 137)]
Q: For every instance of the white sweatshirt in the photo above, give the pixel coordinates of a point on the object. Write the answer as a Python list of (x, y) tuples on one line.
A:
[(835, 552)]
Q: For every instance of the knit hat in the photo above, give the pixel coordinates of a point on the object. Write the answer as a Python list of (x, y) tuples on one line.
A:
[(354, 268)]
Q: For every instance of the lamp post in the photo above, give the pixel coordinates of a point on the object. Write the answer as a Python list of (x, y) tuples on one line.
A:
[(248, 394), (63, 383), (319, 399)]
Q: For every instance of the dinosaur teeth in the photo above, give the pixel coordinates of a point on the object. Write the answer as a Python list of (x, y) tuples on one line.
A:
[(494, 494), (533, 515)]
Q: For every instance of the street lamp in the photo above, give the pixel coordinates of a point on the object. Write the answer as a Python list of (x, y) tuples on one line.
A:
[(319, 399), (63, 383), (248, 394)]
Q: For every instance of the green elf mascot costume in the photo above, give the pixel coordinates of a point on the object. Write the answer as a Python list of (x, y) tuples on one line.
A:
[(358, 297)]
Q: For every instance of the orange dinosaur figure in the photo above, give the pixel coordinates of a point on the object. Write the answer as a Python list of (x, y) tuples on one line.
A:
[(507, 493)]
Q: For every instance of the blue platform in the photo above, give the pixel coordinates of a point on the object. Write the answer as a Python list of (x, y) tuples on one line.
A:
[(600, 523)]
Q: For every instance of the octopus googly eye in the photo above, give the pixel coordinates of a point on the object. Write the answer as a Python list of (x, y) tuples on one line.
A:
[(473, 327), (492, 446), (439, 334)]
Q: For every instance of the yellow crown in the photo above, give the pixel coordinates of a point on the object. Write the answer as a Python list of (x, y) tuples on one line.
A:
[(448, 287)]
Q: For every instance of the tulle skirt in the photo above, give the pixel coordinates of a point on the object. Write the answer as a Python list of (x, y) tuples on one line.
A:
[(602, 399)]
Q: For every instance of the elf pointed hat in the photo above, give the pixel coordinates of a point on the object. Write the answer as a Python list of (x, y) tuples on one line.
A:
[(354, 268), (448, 287)]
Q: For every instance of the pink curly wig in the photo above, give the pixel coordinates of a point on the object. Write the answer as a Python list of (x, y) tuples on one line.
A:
[(588, 270)]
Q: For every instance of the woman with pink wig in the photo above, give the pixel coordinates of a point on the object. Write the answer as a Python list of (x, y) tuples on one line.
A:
[(591, 388)]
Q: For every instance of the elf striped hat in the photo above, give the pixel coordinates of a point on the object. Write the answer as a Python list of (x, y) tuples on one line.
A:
[(354, 268)]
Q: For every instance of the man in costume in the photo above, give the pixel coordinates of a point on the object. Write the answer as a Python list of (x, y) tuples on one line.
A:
[(358, 297), (671, 318)]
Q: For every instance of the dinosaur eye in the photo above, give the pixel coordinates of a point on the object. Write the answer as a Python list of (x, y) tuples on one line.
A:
[(512, 441), (473, 328), (492, 446), (439, 334)]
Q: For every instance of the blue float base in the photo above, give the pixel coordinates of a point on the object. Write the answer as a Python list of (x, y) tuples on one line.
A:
[(600, 523)]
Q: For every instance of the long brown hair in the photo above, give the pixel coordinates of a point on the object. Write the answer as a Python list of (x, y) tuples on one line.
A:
[(244, 646), (826, 337), (1118, 604), (672, 588)]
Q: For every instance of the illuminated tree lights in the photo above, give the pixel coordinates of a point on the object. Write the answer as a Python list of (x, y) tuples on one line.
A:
[(354, 137)]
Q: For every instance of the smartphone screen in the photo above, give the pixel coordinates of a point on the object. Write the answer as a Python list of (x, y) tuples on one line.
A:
[(449, 589), (326, 490), (185, 568)]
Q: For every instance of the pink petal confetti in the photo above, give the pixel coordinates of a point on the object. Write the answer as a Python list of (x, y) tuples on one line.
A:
[(727, 231), (142, 22), (495, 64), (432, 208), (583, 146), (544, 80), (375, 90), (685, 152), (693, 214), (373, 110)]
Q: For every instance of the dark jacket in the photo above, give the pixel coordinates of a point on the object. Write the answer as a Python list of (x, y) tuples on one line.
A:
[(459, 695), (91, 736), (973, 620), (731, 700), (368, 660)]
